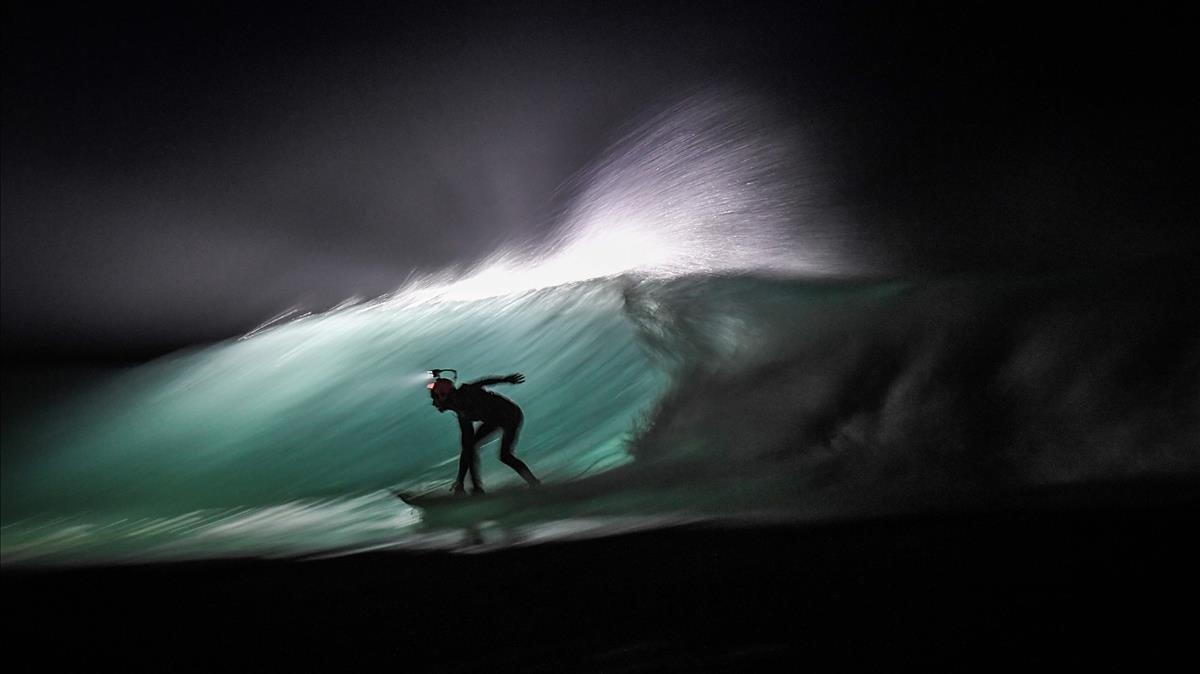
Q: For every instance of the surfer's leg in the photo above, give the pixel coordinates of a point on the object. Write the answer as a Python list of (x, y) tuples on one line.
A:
[(481, 435), (468, 460), (476, 483), (511, 430)]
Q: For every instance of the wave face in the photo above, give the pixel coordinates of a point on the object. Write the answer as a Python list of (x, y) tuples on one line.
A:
[(335, 406)]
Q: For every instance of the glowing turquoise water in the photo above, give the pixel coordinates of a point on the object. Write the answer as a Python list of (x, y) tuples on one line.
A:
[(335, 407)]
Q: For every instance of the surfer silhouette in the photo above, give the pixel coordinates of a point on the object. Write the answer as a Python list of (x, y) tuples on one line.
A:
[(471, 402)]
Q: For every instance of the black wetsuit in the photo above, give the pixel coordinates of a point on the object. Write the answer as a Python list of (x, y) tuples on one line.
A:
[(471, 402)]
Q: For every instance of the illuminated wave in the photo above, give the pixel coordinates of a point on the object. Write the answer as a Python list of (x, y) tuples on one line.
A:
[(687, 352)]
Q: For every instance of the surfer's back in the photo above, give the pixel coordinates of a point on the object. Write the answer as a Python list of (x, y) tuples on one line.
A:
[(476, 403)]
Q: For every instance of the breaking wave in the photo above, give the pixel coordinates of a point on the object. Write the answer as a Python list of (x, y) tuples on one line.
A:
[(689, 353)]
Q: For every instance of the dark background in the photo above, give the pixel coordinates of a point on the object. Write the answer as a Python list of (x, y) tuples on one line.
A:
[(178, 174)]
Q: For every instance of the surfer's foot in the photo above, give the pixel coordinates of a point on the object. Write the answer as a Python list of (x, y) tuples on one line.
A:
[(478, 491), (534, 483)]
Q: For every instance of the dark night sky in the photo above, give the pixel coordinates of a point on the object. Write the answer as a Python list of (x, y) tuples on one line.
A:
[(173, 175)]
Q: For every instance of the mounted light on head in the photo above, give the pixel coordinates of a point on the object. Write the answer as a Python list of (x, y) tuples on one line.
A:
[(441, 388)]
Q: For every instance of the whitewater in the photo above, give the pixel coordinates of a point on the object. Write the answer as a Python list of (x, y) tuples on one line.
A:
[(694, 348)]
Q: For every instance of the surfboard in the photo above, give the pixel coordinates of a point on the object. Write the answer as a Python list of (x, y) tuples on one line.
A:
[(434, 499), (504, 498)]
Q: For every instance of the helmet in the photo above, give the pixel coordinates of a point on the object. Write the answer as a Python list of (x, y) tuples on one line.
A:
[(440, 388)]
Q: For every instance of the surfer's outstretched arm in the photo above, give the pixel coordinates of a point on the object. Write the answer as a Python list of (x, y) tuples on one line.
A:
[(515, 378)]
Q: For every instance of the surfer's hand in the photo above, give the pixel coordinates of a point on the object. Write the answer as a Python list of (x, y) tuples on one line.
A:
[(515, 378), (457, 489)]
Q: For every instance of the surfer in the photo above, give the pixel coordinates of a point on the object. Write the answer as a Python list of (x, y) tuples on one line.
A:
[(471, 402)]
